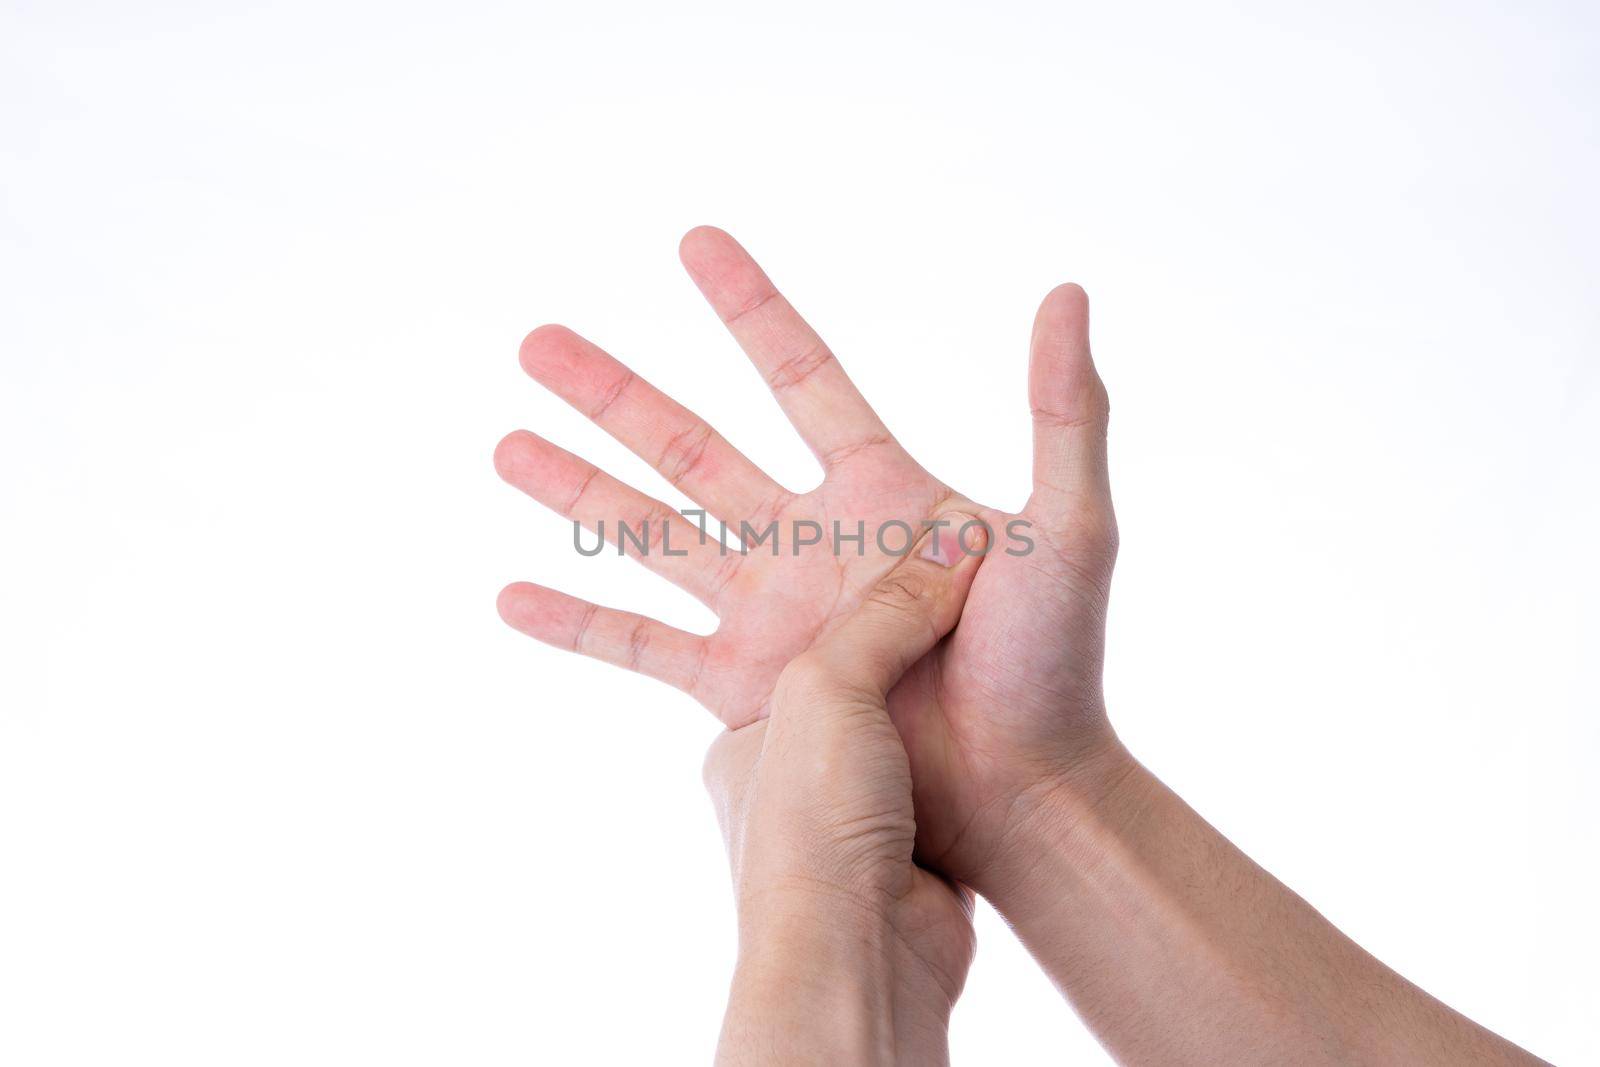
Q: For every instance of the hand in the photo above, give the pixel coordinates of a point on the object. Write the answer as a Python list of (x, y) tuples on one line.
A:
[(1005, 710), (848, 951), (1021, 789)]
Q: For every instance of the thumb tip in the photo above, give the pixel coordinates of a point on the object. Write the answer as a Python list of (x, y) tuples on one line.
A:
[(956, 535)]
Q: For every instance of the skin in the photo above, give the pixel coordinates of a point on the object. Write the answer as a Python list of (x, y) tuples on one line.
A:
[(1172, 946), (848, 952), (992, 717), (1175, 948)]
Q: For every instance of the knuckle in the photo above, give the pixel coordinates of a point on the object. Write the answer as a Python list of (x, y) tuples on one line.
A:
[(1104, 536), (730, 761), (1099, 403), (806, 678), (1110, 539), (684, 451), (714, 766), (817, 679), (902, 591)]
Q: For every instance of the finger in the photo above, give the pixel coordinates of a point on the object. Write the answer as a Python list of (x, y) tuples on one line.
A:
[(909, 610), (620, 638), (1070, 407), (662, 432), (641, 526), (811, 386)]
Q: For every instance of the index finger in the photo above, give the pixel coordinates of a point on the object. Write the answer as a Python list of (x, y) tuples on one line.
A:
[(810, 385)]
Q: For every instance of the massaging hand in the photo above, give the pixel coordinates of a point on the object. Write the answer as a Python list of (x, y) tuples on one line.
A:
[(995, 715), (848, 952)]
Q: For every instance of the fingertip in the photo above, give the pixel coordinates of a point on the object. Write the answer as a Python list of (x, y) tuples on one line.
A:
[(1070, 292), (1063, 385), (719, 265), (512, 602), (1063, 309), (910, 609), (544, 347), (510, 453), (956, 536), (540, 612), (975, 535), (701, 240)]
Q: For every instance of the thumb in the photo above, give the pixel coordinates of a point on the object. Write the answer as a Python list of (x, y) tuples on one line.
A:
[(1070, 407), (908, 611)]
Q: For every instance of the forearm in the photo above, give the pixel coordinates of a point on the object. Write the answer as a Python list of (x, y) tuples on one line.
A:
[(830, 983), (1176, 948)]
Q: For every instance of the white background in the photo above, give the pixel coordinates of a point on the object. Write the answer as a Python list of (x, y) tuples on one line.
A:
[(276, 784)]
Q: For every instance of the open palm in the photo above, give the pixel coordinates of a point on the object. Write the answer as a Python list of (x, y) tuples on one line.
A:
[(1012, 696)]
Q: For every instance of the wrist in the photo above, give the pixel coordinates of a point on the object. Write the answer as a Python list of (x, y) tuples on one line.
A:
[(810, 984), (823, 976), (1062, 823)]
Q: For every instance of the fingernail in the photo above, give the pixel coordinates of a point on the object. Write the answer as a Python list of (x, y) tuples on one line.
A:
[(955, 536)]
